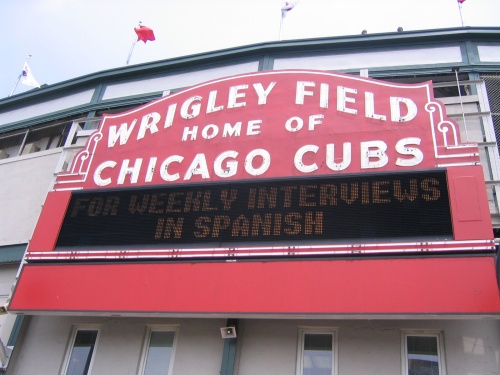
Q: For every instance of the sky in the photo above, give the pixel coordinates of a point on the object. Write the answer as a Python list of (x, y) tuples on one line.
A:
[(72, 38)]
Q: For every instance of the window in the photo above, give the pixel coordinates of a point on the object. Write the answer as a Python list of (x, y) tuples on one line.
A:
[(80, 358), (159, 351), (316, 352), (423, 354)]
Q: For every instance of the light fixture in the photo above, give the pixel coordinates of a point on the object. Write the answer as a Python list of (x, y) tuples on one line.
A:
[(228, 332)]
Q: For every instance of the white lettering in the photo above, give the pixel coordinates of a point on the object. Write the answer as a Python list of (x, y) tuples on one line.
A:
[(169, 120), (188, 132), (230, 131), (149, 122), (234, 95), (190, 110), (343, 99), (231, 166), (164, 168), (373, 150), (403, 149), (289, 125), (370, 107), (211, 103), (253, 127), (99, 181), (302, 92), (298, 160), (315, 120), (261, 93), (210, 131), (151, 169), (198, 166), (324, 95), (396, 109), (346, 159), (123, 133), (266, 162), (133, 171)]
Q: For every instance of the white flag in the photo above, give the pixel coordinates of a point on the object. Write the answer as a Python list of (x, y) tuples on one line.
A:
[(288, 6), (27, 78)]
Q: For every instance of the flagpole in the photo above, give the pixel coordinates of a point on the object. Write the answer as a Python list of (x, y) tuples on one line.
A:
[(20, 75), (131, 50), (286, 7), (132, 47), (460, 11), (461, 104), (281, 26)]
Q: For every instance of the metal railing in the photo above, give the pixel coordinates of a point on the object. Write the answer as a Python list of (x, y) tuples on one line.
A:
[(43, 137)]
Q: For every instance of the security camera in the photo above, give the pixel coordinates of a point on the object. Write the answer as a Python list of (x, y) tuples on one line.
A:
[(228, 332)]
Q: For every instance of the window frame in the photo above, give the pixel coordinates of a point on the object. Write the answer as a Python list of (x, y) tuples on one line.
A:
[(145, 345), (423, 333), (71, 344), (321, 331)]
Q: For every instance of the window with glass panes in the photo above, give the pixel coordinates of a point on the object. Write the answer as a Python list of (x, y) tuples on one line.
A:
[(159, 352), (82, 352), (316, 352), (423, 354)]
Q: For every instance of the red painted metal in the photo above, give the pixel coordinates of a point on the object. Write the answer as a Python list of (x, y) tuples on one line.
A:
[(50, 221), (330, 109), (469, 203), (461, 285)]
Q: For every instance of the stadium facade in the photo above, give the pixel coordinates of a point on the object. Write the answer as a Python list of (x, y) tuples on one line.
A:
[(310, 207)]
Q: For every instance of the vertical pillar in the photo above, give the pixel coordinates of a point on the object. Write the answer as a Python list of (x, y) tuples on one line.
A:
[(229, 352)]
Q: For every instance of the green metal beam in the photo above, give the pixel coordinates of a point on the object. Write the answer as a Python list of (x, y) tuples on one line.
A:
[(229, 352), (12, 253)]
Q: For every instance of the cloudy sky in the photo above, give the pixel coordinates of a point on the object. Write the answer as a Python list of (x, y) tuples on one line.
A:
[(72, 38)]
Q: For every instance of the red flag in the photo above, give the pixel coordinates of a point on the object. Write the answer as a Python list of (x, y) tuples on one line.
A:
[(461, 1), (144, 33)]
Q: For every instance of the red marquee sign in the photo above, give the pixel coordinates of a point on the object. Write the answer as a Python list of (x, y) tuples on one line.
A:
[(269, 125), (353, 136), (290, 165)]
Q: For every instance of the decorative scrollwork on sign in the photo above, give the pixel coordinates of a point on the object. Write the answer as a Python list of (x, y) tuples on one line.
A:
[(445, 137), (444, 127), (81, 164), (83, 158)]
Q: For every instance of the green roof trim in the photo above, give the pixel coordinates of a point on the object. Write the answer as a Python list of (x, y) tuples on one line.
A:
[(12, 253), (253, 52), (264, 54)]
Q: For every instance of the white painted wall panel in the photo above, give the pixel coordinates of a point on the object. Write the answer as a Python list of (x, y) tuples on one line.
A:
[(8, 274), (176, 81), (264, 346), (370, 346), (489, 53), (199, 345), (44, 108), (25, 182), (421, 56)]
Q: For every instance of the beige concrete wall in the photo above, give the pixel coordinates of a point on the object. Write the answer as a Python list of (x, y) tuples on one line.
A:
[(120, 344), (24, 184), (7, 277), (472, 347)]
